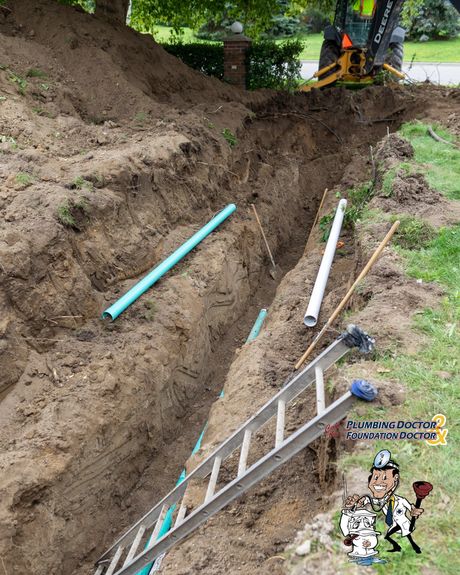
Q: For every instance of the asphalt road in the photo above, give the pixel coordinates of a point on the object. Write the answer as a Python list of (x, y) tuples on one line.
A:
[(442, 73)]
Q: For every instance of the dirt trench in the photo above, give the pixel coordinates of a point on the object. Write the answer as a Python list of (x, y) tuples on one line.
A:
[(100, 418)]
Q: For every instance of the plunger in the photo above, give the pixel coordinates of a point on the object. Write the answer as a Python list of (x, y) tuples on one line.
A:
[(422, 489)]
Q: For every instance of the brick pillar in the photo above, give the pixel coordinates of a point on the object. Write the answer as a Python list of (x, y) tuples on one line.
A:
[(235, 64)]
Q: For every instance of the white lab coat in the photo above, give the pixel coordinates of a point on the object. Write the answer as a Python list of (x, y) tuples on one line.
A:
[(399, 514), (401, 506)]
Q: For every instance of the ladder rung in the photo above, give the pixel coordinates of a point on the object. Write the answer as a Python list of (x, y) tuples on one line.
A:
[(320, 398), (114, 561), (244, 452), (135, 545), (180, 514), (158, 525), (99, 569), (279, 437), (213, 479)]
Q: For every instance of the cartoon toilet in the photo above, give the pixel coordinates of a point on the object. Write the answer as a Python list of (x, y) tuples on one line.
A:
[(358, 526)]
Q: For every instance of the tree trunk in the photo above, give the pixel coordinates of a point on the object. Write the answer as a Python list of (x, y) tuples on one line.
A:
[(113, 9)]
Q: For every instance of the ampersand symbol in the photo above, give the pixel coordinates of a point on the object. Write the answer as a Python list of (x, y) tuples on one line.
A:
[(441, 434)]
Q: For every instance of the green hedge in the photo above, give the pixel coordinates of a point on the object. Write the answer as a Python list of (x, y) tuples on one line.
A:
[(275, 66), (271, 65), (206, 57)]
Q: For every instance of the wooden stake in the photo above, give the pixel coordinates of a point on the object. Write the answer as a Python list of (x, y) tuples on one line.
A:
[(349, 293), (319, 209), (263, 235)]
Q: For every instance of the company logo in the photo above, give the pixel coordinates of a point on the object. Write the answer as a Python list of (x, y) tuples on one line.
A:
[(383, 25)]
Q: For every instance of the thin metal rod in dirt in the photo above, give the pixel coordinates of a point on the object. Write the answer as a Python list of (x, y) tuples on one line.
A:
[(315, 221), (350, 292), (263, 235), (435, 136)]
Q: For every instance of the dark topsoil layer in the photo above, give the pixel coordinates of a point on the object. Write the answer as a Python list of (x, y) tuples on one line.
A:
[(98, 419)]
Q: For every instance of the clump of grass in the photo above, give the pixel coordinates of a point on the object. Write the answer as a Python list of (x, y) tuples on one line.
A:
[(413, 233), (20, 82), (80, 183), (66, 211), (387, 183), (65, 216), (358, 198), (230, 137), (24, 179), (140, 118), (35, 73)]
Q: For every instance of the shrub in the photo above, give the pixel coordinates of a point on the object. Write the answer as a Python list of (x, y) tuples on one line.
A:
[(270, 65), (275, 66), (203, 56), (432, 18)]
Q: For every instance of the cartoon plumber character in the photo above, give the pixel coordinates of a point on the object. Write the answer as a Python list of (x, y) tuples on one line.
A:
[(383, 482)]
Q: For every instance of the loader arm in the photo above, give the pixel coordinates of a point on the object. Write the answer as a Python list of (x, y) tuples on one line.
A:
[(386, 18)]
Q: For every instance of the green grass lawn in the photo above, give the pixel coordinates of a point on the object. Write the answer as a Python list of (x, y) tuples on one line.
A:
[(431, 377), (434, 51)]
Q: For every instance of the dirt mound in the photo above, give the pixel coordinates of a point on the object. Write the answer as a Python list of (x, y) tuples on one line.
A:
[(106, 72), (401, 190), (393, 149)]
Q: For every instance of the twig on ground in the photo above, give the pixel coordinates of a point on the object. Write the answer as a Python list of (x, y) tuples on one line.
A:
[(435, 136)]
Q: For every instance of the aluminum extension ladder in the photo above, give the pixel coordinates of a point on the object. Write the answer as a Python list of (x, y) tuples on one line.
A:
[(123, 558)]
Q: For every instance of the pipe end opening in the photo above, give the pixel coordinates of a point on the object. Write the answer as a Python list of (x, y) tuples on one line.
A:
[(310, 320), (107, 316)]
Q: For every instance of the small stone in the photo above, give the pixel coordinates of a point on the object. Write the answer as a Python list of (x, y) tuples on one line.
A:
[(304, 549)]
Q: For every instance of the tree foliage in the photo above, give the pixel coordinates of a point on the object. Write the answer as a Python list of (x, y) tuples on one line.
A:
[(254, 14), (431, 18)]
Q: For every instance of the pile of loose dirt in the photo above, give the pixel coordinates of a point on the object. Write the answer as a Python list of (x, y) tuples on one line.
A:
[(408, 193), (112, 155)]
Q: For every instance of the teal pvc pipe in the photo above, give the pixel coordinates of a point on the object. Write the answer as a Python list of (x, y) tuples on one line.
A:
[(167, 521), (152, 277), (257, 325)]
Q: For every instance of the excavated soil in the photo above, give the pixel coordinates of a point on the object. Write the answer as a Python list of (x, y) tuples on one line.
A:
[(112, 154)]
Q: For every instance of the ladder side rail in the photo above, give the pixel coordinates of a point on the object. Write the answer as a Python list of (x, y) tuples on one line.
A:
[(291, 390), (290, 447)]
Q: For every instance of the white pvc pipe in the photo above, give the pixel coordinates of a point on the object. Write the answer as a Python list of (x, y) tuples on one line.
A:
[(316, 298)]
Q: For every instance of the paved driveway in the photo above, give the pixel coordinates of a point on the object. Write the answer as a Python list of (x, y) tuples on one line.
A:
[(441, 73)]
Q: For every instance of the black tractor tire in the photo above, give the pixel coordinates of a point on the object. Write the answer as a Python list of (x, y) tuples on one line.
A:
[(330, 53), (395, 55)]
